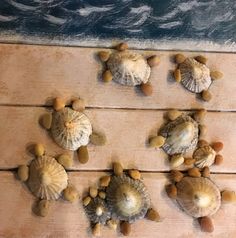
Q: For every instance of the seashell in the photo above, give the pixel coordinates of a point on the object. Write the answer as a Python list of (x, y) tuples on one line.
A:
[(70, 129), (198, 197), (47, 178), (195, 76), (181, 135), (127, 199), (97, 211), (128, 68), (204, 156)]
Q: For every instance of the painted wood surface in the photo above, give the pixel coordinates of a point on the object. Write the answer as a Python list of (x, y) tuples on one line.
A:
[(69, 220), (31, 75)]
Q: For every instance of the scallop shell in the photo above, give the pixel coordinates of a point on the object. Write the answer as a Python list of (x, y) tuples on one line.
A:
[(47, 178), (70, 129), (129, 68), (91, 208), (204, 156), (181, 135), (127, 199), (198, 197), (195, 76)]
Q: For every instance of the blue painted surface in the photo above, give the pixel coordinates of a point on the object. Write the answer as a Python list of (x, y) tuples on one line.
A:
[(211, 20)]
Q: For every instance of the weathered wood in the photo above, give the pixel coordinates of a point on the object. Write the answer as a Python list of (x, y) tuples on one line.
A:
[(127, 132), (69, 220), (31, 75)]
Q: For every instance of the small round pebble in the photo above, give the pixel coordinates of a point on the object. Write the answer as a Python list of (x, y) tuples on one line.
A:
[(86, 201), (177, 75), (157, 141), (206, 95), (189, 161), (117, 168), (112, 224), (65, 160), (201, 59), (78, 105), (176, 175), (99, 211), (83, 155), (206, 172), (194, 172), (46, 120), (218, 160), (206, 224), (107, 76), (102, 195), (125, 228), (171, 191), (153, 61), (58, 104), (43, 208), (176, 161), (228, 196), (203, 130), (122, 46), (93, 192), (153, 215), (39, 149), (200, 115), (134, 174), (215, 75), (96, 230), (179, 58), (23, 172), (173, 114), (105, 180), (70, 194), (98, 138), (202, 143), (103, 56), (217, 146), (147, 89)]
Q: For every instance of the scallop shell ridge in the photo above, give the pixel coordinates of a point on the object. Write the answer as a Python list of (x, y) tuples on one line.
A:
[(204, 156)]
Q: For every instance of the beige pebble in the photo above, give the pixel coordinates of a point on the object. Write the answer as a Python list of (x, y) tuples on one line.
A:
[(157, 141), (103, 55), (46, 121), (218, 160), (83, 155), (117, 168), (65, 160), (200, 115), (107, 76), (171, 191), (176, 161), (98, 138), (203, 131), (125, 228), (194, 172), (134, 174), (23, 172), (86, 201), (206, 95), (102, 195), (189, 161), (217, 146), (70, 194), (93, 192), (96, 230), (228, 196), (105, 180), (99, 210), (153, 61), (176, 175), (179, 58), (215, 75), (39, 149), (122, 46), (112, 224), (202, 143), (78, 105), (206, 172), (173, 114), (43, 208), (206, 224), (201, 59), (177, 75), (153, 215), (58, 104), (146, 88)]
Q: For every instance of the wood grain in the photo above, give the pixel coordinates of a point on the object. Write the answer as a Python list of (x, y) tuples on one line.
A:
[(127, 132), (30, 75), (69, 220)]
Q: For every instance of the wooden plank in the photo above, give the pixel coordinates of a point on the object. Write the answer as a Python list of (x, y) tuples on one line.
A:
[(126, 130), (69, 220), (31, 75)]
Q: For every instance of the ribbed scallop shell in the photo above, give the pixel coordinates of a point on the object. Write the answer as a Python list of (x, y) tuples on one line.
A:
[(195, 76), (181, 135), (47, 178), (70, 138), (90, 209), (129, 68), (204, 156), (127, 199), (198, 197)]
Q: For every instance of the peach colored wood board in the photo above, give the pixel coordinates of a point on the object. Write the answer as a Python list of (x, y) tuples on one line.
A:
[(127, 132), (32, 74), (69, 220)]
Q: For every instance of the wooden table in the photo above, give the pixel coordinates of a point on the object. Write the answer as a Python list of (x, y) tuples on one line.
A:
[(30, 76)]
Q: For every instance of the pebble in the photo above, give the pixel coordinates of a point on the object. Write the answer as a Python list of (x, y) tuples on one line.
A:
[(46, 120), (189, 161), (105, 180), (83, 155), (112, 224), (218, 160), (201, 59), (177, 75), (200, 115), (206, 172), (65, 160), (171, 191), (102, 195), (96, 230), (23, 172), (125, 228), (97, 138), (78, 105), (93, 192), (153, 61), (217, 146), (176, 175), (134, 174), (118, 169), (147, 89), (194, 172), (202, 143), (206, 224), (157, 141), (58, 104), (153, 215), (43, 208), (103, 56), (176, 161), (39, 150), (203, 130), (70, 194), (206, 95), (179, 58), (228, 196), (107, 76), (122, 46), (86, 201), (215, 75), (173, 114)]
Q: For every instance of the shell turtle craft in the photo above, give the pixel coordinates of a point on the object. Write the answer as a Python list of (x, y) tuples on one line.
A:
[(71, 129), (121, 198), (47, 179), (198, 195), (194, 75), (128, 68)]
